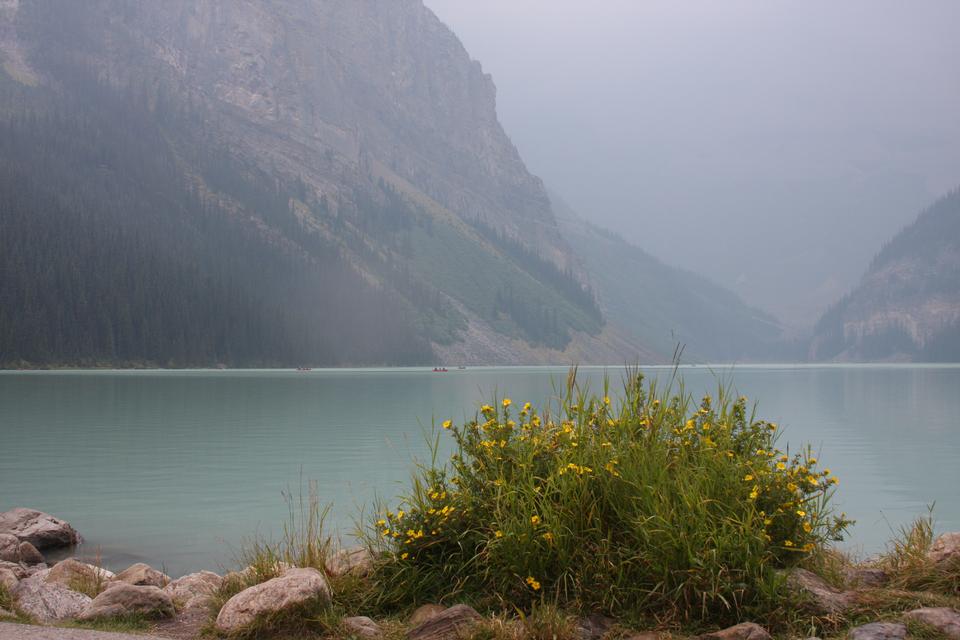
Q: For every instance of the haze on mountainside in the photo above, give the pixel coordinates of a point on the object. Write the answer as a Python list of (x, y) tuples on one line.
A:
[(771, 145)]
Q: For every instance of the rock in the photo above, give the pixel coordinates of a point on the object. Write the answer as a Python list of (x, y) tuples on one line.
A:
[(295, 587), (361, 626), (446, 625), (943, 619), (29, 554), (644, 635), (594, 626), (126, 599), (865, 577), (424, 613), (40, 529), (742, 631), (945, 549), (9, 547), (72, 573), (879, 631), (8, 579), (48, 602), (357, 561), (141, 574), (822, 596), (16, 568), (195, 589)]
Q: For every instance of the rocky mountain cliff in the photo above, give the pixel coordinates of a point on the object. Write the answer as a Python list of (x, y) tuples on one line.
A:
[(907, 306)]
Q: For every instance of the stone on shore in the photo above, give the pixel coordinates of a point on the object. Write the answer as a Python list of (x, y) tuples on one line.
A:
[(447, 625), (943, 619), (361, 626), (945, 549), (424, 613), (9, 547), (40, 529), (195, 589), (17, 569), (742, 631), (296, 587), (48, 602), (865, 577), (29, 554), (822, 596), (8, 579), (143, 575), (122, 599), (594, 626), (879, 631), (356, 561), (72, 573)]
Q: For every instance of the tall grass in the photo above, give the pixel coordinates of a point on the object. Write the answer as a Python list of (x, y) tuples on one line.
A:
[(909, 566), (655, 504)]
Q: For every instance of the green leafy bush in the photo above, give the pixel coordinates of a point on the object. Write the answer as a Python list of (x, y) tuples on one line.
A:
[(651, 504)]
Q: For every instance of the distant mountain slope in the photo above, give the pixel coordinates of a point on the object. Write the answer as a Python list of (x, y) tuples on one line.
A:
[(662, 306), (270, 184), (907, 306)]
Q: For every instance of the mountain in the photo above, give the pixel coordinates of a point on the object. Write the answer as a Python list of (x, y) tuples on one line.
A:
[(664, 307), (194, 182), (907, 305)]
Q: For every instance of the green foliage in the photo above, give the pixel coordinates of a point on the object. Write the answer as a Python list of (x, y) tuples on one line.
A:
[(649, 505)]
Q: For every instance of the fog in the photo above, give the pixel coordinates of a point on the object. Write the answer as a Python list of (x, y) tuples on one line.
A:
[(773, 146)]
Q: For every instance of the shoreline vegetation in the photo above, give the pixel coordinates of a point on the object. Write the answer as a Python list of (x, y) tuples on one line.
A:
[(652, 515)]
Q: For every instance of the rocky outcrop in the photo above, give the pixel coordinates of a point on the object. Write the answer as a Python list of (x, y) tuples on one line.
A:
[(943, 619), (424, 613), (29, 554), (9, 548), (143, 575), (40, 529), (72, 573), (879, 631), (361, 626), (48, 602), (594, 627), (355, 561), (820, 595), (195, 589), (122, 599), (447, 625), (742, 631), (945, 549), (295, 588)]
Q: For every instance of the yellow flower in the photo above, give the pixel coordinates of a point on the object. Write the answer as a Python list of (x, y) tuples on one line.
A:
[(447, 424), (748, 477), (834, 480), (801, 513), (791, 486), (754, 493), (772, 426), (486, 408), (533, 583), (788, 543), (606, 400), (812, 461), (498, 534), (507, 402), (534, 520), (404, 555), (548, 536), (807, 527), (808, 547), (526, 406), (781, 466), (381, 522)]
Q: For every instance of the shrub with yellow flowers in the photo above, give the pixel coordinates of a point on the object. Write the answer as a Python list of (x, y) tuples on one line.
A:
[(651, 504)]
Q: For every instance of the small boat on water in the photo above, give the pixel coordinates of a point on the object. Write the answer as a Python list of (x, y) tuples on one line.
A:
[(439, 369), (304, 369)]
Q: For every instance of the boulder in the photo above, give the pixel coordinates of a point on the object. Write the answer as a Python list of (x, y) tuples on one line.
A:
[(29, 554), (8, 579), (356, 561), (945, 549), (294, 588), (361, 626), (447, 625), (879, 631), (821, 595), (143, 575), (48, 602), (424, 613), (943, 619), (865, 577), (16, 568), (742, 631), (594, 626), (127, 599), (195, 589), (9, 547), (40, 529), (72, 573)]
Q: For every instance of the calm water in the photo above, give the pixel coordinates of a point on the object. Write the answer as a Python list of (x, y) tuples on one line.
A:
[(176, 468)]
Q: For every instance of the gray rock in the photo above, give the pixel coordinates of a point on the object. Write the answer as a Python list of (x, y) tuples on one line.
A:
[(72, 573), (294, 588), (945, 549), (127, 599), (879, 631), (594, 626), (866, 577), (742, 631), (822, 596), (16, 568), (40, 529), (356, 561), (361, 626), (29, 554), (8, 579), (141, 574), (9, 547), (195, 589), (943, 619), (424, 613), (48, 602), (447, 625)]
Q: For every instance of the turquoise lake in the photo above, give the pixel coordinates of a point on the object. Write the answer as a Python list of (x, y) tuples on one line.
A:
[(178, 468)]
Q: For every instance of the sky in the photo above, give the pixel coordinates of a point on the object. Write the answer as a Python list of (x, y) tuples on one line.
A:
[(773, 146)]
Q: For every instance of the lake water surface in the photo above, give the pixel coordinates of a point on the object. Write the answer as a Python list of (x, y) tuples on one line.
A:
[(177, 468)]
